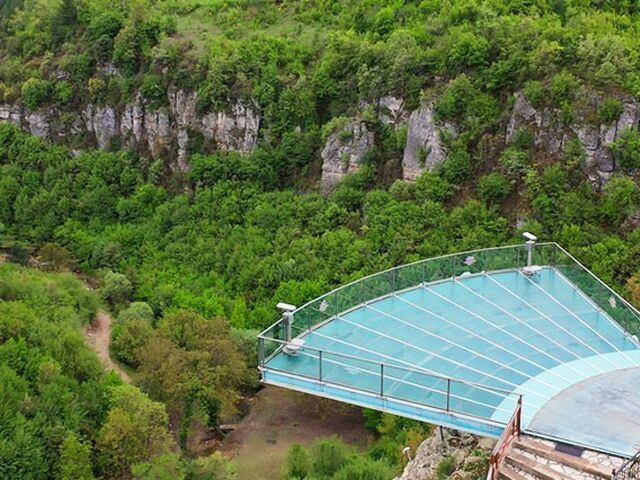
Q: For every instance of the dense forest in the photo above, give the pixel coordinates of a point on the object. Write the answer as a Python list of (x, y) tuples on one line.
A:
[(191, 261)]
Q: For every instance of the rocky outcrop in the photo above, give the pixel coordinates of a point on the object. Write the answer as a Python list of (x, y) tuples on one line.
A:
[(468, 454), (424, 150), (391, 111), (344, 152), (164, 131), (551, 134)]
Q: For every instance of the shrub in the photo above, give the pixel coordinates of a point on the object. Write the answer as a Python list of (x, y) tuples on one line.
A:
[(64, 92), (610, 110), (445, 468), (128, 337), (298, 462), (494, 187), (563, 87), (626, 148), (430, 186), (514, 162), (35, 92), (620, 197), (458, 164), (534, 92), (97, 87), (116, 289), (329, 455), (364, 468), (152, 88)]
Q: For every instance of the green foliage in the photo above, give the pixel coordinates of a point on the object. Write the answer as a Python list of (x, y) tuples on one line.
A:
[(75, 460), (564, 87), (494, 187), (621, 197), (135, 431), (610, 110), (298, 462), (116, 289), (35, 92), (329, 456), (626, 148), (445, 468), (432, 187)]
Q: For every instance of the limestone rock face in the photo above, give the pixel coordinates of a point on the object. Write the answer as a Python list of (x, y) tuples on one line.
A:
[(343, 153), (424, 150), (445, 443), (551, 135), (158, 132), (391, 111)]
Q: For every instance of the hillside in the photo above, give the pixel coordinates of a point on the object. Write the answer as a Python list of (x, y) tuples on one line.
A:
[(200, 161)]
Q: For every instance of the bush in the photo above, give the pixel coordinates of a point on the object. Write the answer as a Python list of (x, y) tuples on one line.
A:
[(116, 289), (35, 92), (626, 149), (153, 89), (445, 468), (610, 110), (64, 92), (364, 468), (620, 197), (534, 92), (298, 462), (515, 163), (430, 186), (564, 87), (457, 166), (128, 337), (329, 456), (493, 188)]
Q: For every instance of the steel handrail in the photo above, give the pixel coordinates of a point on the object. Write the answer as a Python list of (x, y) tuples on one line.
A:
[(633, 309), (502, 392), (398, 267)]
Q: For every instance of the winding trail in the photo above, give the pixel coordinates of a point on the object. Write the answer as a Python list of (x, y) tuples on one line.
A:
[(98, 335)]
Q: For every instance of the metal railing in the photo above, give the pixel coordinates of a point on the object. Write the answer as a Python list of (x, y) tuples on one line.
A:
[(501, 450), (630, 470), (419, 387), (385, 376)]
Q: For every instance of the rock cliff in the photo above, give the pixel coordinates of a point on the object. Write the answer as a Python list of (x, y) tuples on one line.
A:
[(345, 150), (164, 131), (467, 456), (551, 133)]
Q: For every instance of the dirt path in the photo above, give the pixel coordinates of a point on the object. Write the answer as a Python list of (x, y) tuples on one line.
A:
[(99, 336), (278, 419)]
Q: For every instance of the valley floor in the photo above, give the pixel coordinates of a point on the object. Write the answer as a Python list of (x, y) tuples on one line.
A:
[(280, 418)]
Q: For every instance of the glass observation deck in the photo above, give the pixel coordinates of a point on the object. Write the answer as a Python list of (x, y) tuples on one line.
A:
[(457, 340)]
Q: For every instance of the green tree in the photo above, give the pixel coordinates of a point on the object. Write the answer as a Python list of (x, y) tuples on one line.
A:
[(75, 460), (135, 431), (298, 462), (116, 289)]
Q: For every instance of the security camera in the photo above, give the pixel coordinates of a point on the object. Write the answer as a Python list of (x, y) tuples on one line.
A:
[(286, 307), (530, 236)]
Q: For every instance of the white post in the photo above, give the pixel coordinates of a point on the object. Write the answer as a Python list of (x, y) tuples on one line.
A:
[(531, 241), (287, 318)]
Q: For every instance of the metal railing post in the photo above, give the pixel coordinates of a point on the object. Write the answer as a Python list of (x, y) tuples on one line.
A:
[(320, 365), (382, 379), (260, 351), (448, 394)]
